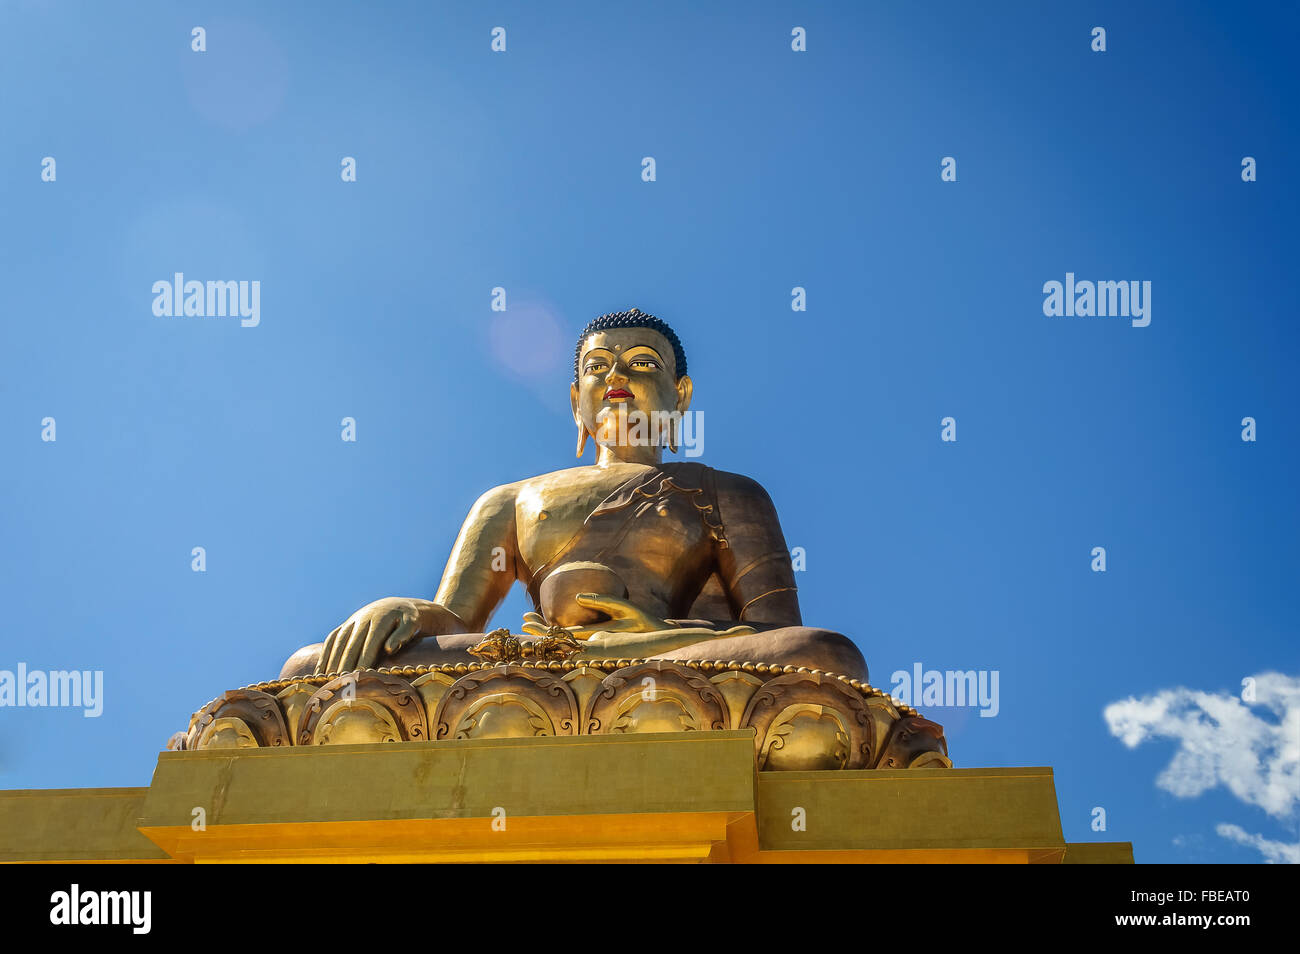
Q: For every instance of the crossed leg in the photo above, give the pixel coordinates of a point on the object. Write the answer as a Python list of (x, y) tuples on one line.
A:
[(786, 646)]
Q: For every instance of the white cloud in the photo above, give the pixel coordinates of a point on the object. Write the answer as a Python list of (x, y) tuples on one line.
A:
[(1275, 851), (1225, 741)]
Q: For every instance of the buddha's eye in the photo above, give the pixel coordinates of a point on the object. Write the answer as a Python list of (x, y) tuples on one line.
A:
[(645, 364), (595, 367)]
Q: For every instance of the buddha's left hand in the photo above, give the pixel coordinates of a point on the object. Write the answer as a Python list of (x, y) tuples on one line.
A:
[(630, 631), (607, 644), (624, 617)]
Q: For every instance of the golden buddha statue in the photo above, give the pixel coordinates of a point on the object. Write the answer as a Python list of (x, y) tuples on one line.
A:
[(636, 558)]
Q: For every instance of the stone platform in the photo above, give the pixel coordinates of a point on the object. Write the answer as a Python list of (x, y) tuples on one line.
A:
[(674, 796)]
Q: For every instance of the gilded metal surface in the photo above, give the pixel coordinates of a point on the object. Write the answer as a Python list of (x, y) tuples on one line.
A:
[(805, 738), (655, 696), (641, 800), (584, 681), (226, 733), (802, 719), (641, 558), (884, 713), (737, 687), (355, 722), (293, 700), (499, 646), (432, 686), (366, 706), (238, 719), (507, 702), (915, 742), (642, 574), (810, 720)]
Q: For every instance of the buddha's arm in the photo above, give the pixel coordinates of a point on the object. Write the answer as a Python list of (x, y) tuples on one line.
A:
[(479, 573), (755, 567), (484, 563)]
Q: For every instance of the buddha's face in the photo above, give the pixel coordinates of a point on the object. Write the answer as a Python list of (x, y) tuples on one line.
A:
[(626, 370)]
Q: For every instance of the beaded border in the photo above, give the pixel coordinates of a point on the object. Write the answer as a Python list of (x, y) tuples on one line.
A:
[(605, 665)]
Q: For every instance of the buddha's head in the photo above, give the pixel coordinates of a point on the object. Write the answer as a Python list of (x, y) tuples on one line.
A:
[(630, 385)]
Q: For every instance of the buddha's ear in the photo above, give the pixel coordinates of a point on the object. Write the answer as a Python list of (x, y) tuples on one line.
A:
[(577, 418), (685, 388)]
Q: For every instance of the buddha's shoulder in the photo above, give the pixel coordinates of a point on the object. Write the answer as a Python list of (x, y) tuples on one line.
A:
[(727, 485), (559, 481), (738, 486)]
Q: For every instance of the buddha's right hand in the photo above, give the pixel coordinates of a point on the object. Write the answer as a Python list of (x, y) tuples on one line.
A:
[(382, 628)]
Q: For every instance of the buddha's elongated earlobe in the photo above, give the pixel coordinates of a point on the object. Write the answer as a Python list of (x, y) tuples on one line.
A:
[(685, 389), (577, 418)]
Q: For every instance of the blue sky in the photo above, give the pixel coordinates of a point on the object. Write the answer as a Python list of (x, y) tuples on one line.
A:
[(774, 169)]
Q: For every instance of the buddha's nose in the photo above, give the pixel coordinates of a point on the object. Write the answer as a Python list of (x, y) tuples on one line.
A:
[(616, 376)]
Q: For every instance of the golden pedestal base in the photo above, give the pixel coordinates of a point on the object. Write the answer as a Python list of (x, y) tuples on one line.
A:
[(674, 796), (803, 720)]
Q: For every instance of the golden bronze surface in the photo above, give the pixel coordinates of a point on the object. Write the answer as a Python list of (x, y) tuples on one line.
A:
[(638, 558), (802, 719), (501, 647), (643, 576)]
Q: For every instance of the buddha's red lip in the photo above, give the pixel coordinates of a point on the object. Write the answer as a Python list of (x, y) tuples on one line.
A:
[(617, 393)]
